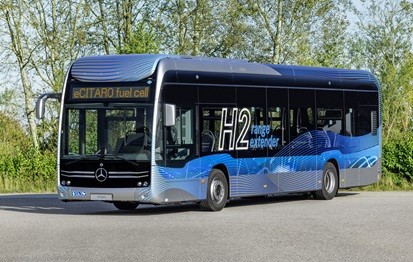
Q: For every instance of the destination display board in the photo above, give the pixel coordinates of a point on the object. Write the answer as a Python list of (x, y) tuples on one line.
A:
[(110, 93)]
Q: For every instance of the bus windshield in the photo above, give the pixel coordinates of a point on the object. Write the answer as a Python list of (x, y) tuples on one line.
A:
[(107, 130)]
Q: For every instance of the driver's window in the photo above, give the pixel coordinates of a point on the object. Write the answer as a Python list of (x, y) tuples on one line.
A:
[(180, 138)]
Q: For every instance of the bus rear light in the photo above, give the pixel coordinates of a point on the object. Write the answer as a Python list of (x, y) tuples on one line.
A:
[(139, 183), (68, 183), (145, 183), (63, 183)]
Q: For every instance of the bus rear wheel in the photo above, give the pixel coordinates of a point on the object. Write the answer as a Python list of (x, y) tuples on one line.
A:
[(217, 192), (329, 183), (124, 205)]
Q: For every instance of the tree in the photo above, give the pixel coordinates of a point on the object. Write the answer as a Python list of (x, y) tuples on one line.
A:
[(331, 41), (198, 27), (10, 104), (121, 27), (383, 44), (289, 31), (60, 33), (13, 135), (142, 41), (181, 24), (45, 37), (20, 46)]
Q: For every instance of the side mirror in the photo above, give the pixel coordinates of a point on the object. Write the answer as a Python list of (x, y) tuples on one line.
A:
[(41, 101), (169, 114)]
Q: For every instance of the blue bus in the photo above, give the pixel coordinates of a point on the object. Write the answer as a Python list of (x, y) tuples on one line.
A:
[(163, 129)]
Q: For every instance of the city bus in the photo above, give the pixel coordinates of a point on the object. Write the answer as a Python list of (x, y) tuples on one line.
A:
[(161, 129)]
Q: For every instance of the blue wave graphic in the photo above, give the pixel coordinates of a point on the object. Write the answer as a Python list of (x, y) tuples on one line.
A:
[(297, 167)]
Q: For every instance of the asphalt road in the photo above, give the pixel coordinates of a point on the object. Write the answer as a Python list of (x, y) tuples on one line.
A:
[(354, 226)]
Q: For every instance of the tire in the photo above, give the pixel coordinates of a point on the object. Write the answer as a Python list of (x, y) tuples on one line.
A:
[(124, 205), (329, 185), (217, 192)]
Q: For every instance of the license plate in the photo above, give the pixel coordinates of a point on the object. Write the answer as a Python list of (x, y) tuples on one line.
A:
[(101, 197)]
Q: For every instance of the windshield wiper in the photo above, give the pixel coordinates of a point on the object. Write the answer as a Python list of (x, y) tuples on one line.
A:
[(102, 152), (101, 157), (120, 157), (88, 157)]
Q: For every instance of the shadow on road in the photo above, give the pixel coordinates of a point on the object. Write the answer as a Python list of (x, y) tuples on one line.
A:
[(49, 204), (262, 200)]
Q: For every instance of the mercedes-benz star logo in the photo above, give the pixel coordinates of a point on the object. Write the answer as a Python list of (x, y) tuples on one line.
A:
[(101, 174)]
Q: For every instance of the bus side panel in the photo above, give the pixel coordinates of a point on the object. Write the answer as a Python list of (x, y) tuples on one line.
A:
[(296, 168), (247, 176), (363, 161), (371, 174), (189, 183), (253, 178), (294, 174), (363, 168), (171, 184)]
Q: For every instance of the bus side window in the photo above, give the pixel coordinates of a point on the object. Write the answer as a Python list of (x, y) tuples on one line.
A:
[(329, 120), (349, 122), (301, 120), (367, 121), (211, 123), (276, 120)]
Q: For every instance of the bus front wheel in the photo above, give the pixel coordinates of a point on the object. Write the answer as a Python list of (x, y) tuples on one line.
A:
[(217, 192), (124, 205), (329, 183)]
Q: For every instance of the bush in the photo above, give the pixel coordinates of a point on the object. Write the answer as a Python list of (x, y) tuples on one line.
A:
[(398, 157), (22, 167), (28, 171)]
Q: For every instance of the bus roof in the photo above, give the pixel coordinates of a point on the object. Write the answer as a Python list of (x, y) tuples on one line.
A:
[(135, 67)]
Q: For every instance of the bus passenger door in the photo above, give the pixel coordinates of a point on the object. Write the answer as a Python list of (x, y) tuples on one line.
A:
[(277, 112), (214, 101), (299, 168), (351, 176), (214, 146)]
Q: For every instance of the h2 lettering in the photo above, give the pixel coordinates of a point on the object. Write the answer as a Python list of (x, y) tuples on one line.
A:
[(229, 134)]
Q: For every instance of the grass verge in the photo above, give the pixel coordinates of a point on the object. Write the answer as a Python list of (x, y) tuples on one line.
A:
[(27, 185), (388, 182)]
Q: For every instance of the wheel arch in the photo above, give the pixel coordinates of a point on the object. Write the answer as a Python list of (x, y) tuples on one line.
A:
[(224, 170), (335, 163), (328, 190)]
